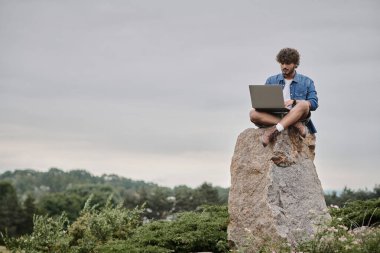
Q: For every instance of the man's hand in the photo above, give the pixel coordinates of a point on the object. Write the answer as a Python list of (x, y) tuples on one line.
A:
[(289, 103)]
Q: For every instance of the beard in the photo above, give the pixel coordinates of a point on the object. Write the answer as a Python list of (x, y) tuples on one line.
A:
[(288, 72)]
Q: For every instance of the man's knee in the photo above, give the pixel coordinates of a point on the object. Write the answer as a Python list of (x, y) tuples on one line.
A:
[(254, 116), (303, 106)]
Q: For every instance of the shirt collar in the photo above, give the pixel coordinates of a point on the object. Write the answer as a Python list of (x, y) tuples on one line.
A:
[(296, 78)]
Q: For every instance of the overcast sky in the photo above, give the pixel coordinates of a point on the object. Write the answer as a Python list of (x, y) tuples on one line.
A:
[(158, 90)]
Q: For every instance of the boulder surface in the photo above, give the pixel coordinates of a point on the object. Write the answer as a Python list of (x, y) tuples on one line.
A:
[(275, 192)]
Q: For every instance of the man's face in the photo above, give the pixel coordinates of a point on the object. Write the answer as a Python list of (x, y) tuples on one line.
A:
[(288, 70)]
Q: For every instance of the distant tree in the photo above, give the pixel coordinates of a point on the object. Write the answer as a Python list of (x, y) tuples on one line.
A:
[(55, 179), (376, 191), (348, 195), (56, 191), (132, 199), (72, 200), (55, 203), (158, 203), (184, 198), (22, 180), (10, 211), (223, 194), (206, 194), (28, 210), (81, 176)]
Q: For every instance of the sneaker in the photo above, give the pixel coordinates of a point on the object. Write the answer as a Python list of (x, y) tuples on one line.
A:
[(301, 128), (268, 135)]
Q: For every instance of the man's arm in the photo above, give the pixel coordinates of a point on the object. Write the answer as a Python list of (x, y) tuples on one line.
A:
[(311, 96)]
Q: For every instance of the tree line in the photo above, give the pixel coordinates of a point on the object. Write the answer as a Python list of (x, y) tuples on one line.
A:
[(349, 195), (27, 192)]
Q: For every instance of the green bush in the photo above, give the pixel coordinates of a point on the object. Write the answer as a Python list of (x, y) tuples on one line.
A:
[(353, 229), (202, 230), (93, 227), (338, 238), (333, 198), (359, 213), (122, 247), (49, 235), (116, 229)]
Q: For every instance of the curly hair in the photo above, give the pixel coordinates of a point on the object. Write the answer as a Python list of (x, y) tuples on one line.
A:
[(288, 56)]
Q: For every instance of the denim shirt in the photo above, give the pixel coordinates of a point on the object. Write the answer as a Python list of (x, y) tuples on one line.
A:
[(301, 88)]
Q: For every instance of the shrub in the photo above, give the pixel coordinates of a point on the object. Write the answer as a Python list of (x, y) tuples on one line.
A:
[(338, 238), (122, 247), (93, 227), (49, 235), (202, 230), (359, 213), (353, 229)]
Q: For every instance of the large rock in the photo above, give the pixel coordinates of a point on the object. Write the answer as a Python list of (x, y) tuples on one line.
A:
[(275, 192)]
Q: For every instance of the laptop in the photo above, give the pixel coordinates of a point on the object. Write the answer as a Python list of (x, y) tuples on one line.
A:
[(267, 98)]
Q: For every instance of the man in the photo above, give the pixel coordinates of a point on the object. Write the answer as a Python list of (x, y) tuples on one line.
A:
[(300, 97)]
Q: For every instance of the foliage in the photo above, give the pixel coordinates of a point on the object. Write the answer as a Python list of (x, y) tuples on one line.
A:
[(359, 213), (202, 230), (206, 194), (55, 203), (163, 201), (338, 238), (49, 235), (93, 227), (28, 210), (71, 201), (223, 194), (105, 227), (10, 210), (121, 246), (116, 229), (15, 218), (348, 194), (56, 180), (158, 202), (184, 197), (56, 191)]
